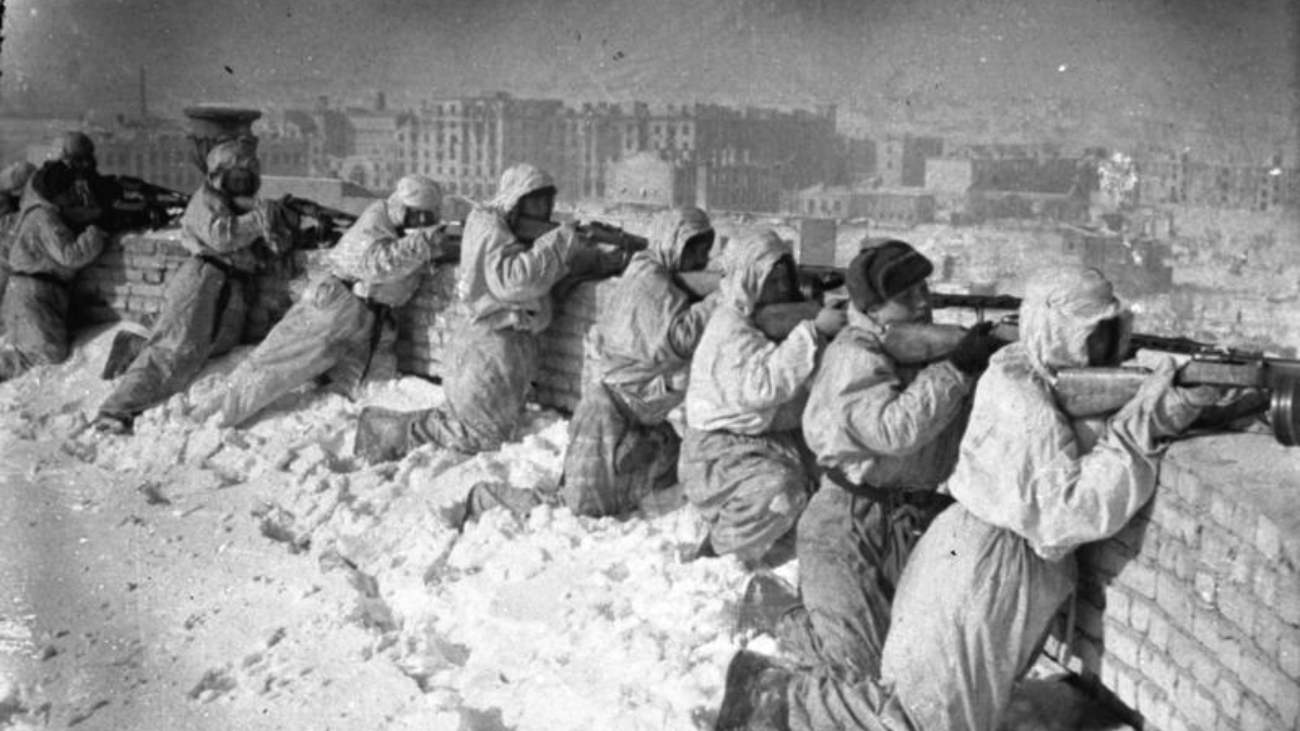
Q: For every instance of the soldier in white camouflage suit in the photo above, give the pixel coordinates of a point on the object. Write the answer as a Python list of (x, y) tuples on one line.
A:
[(345, 318), (43, 256), (228, 232), (504, 290)]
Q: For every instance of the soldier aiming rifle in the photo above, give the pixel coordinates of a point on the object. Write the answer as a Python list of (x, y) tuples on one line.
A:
[(1096, 391)]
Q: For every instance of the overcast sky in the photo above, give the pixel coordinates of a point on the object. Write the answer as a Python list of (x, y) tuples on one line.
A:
[(1181, 58)]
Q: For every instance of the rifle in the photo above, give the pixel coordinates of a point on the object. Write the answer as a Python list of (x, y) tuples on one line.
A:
[(1084, 392), (814, 281), (775, 320), (977, 302), (597, 232), (1137, 341)]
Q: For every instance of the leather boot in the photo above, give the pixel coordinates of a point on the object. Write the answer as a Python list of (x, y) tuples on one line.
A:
[(767, 599), (384, 435), (755, 697)]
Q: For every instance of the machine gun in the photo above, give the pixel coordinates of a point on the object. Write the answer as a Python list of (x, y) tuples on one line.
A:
[(141, 204), (330, 223)]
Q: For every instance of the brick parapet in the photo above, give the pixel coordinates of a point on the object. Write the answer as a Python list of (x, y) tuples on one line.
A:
[(1191, 614), (128, 282)]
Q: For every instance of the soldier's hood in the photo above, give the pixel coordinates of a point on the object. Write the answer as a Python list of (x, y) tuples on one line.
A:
[(516, 182), (747, 264), (1060, 309), (669, 233)]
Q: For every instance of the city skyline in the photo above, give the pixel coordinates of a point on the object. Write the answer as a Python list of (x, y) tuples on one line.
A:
[(1055, 67)]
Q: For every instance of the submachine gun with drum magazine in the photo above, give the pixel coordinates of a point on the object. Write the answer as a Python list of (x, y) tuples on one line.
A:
[(1098, 391)]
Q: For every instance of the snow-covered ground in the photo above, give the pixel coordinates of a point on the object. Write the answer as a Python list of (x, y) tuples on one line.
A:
[(548, 621)]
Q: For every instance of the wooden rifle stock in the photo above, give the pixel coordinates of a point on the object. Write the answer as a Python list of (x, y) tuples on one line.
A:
[(918, 343), (699, 284), (777, 320)]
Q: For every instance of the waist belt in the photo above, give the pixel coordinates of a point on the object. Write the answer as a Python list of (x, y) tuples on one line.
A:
[(46, 277), (896, 497), (226, 267)]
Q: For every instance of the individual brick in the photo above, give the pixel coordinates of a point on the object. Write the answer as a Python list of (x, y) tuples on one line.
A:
[(1153, 704), (1193, 702), (1291, 549), (1287, 601), (1237, 606), (1218, 549), (1223, 640), (1121, 679), (1194, 492), (1177, 722), (1157, 668), (1256, 716), (1139, 614), (1288, 652), (1138, 576), (1159, 632), (1206, 585), (1194, 658), (1173, 598), (1223, 511), (1117, 603), (1228, 694), (1265, 585), (146, 290), (1122, 644), (1174, 555), (1176, 518), (1268, 538)]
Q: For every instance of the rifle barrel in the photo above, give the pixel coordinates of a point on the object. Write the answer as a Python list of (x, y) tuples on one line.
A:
[(941, 300)]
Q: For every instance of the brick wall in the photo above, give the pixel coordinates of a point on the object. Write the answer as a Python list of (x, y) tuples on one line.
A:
[(128, 280), (1190, 616)]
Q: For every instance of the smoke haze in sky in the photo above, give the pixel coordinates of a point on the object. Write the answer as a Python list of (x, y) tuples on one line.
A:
[(1175, 58)]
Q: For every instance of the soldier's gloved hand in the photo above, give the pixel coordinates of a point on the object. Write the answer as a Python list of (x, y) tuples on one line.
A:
[(1160, 409), (830, 320), (972, 353)]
